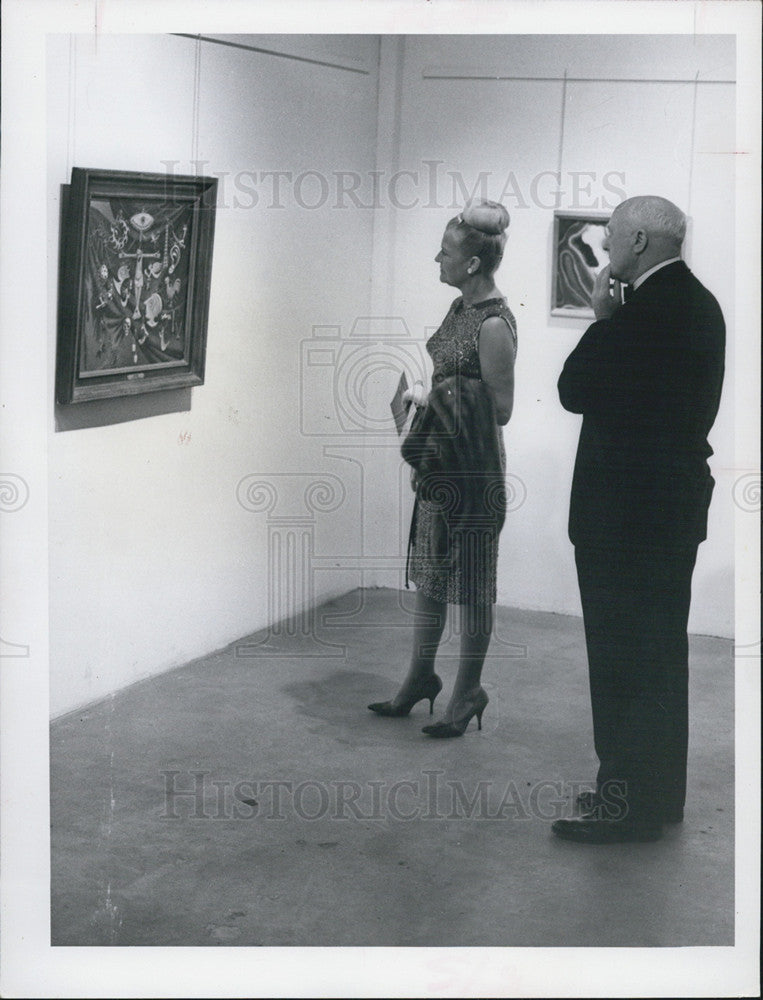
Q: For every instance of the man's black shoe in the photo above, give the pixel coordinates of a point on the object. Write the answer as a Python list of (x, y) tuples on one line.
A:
[(589, 829), (589, 801)]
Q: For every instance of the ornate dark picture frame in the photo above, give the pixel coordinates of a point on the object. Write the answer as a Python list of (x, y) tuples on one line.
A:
[(135, 276), (577, 257)]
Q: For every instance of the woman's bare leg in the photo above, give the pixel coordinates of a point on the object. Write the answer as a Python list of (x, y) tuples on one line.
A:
[(476, 630), (429, 623)]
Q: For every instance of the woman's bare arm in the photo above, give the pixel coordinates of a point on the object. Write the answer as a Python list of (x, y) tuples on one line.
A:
[(496, 350)]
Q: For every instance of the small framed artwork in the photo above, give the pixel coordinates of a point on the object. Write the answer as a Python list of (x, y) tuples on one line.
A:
[(578, 256), (135, 276)]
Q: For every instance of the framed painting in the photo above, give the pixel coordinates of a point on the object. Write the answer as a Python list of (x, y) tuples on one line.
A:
[(135, 275), (578, 256)]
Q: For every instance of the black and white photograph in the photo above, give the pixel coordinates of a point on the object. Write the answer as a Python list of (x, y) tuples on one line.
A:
[(380, 498)]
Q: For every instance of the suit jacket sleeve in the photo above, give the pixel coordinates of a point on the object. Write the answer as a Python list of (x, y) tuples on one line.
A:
[(647, 381), (649, 367), (582, 370)]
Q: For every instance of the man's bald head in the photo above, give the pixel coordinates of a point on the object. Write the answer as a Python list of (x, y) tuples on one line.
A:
[(643, 232), (660, 218)]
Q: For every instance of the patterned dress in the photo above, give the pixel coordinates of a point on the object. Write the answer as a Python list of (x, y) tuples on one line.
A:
[(454, 349)]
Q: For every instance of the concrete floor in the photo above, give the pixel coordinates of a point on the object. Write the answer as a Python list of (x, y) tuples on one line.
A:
[(347, 855)]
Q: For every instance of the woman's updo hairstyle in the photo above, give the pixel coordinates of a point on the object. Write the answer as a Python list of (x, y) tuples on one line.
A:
[(481, 231)]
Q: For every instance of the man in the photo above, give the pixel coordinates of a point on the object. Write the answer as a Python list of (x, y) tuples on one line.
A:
[(647, 377)]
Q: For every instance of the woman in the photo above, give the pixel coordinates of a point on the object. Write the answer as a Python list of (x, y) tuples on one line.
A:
[(454, 536)]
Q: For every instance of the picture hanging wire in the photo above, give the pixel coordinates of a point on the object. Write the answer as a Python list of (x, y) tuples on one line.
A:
[(561, 127), (196, 103), (691, 146), (72, 109)]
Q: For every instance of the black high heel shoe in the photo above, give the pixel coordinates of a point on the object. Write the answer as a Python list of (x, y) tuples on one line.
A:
[(444, 730), (429, 689)]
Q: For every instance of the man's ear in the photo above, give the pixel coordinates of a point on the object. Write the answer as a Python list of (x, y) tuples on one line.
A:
[(640, 241)]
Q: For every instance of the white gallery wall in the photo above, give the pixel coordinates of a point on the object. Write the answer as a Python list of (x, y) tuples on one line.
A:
[(596, 118), (160, 525), (181, 523)]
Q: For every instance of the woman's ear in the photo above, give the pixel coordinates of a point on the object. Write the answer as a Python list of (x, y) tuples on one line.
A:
[(474, 265)]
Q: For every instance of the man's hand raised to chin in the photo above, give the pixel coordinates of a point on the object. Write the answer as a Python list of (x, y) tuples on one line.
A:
[(605, 300)]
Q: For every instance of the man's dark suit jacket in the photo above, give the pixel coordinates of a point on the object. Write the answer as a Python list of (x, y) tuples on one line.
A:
[(648, 383)]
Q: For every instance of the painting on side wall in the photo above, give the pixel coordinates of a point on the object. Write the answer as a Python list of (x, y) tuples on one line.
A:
[(578, 256), (136, 262)]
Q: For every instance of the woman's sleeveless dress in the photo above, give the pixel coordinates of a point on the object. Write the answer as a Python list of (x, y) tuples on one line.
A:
[(454, 349)]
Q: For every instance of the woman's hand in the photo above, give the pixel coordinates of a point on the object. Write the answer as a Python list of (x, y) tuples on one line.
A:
[(417, 394)]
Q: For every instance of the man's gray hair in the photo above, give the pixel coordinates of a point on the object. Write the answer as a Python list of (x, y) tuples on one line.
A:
[(658, 216)]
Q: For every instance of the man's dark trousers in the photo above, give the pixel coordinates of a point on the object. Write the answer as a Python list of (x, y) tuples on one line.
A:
[(635, 610), (647, 381)]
